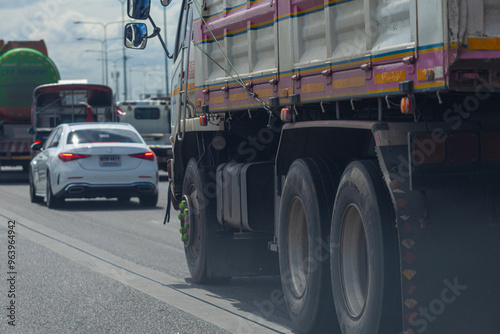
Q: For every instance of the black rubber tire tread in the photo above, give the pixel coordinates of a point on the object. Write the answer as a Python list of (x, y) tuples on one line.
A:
[(52, 201), (362, 184), (193, 186), (314, 181), (148, 201), (123, 198), (34, 198)]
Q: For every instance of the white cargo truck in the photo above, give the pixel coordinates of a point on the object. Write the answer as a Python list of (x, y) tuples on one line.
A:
[(350, 146), (152, 119)]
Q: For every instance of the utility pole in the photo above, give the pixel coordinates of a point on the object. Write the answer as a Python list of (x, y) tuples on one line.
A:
[(125, 95), (104, 43), (115, 75), (166, 58)]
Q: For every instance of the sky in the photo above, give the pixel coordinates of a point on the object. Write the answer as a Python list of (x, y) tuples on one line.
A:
[(53, 22)]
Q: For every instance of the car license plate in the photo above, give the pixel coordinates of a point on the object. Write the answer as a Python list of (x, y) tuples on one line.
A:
[(110, 160)]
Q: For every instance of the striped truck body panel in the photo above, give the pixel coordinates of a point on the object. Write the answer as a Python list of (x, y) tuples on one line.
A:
[(278, 40)]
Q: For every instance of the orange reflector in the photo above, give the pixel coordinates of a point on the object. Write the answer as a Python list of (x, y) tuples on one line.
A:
[(203, 120), (463, 148), (286, 115), (491, 146), (407, 105), (428, 149)]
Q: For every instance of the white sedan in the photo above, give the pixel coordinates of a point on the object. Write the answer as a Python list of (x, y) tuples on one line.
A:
[(88, 160)]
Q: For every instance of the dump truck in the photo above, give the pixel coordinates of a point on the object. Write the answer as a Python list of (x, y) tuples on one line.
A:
[(24, 65), (352, 147), (152, 119)]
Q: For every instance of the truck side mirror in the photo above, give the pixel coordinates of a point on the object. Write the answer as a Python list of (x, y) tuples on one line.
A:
[(139, 9), (136, 35), (165, 3)]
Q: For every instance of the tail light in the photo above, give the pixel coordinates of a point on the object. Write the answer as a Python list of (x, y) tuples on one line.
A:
[(67, 156), (150, 156), (37, 142), (119, 111)]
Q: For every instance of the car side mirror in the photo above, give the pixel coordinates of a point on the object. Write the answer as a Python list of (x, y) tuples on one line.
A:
[(36, 147)]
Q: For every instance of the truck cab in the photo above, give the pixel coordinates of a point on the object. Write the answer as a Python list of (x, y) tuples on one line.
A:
[(152, 119)]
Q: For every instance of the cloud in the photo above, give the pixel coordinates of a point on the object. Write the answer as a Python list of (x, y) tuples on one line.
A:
[(53, 22)]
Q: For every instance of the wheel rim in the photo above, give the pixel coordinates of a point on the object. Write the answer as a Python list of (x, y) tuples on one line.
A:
[(188, 220), (297, 247), (354, 261), (193, 245)]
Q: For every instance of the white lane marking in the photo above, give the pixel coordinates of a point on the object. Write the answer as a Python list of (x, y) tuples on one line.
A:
[(173, 291)]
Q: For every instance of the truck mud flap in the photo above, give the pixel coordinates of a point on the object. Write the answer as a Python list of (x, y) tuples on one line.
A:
[(449, 242)]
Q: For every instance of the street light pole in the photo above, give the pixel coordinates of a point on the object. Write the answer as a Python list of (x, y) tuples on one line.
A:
[(102, 52), (124, 55), (106, 52), (104, 41), (102, 63), (166, 58)]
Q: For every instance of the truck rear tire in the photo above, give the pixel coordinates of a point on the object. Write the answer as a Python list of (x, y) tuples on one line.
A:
[(304, 224), (199, 206), (364, 253)]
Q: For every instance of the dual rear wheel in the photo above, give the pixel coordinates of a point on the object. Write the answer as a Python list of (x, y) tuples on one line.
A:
[(338, 249), (305, 214)]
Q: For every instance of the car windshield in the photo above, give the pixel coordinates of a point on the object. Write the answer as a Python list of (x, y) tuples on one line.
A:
[(102, 136)]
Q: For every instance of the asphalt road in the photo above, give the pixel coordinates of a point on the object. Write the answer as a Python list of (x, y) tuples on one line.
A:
[(102, 266)]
